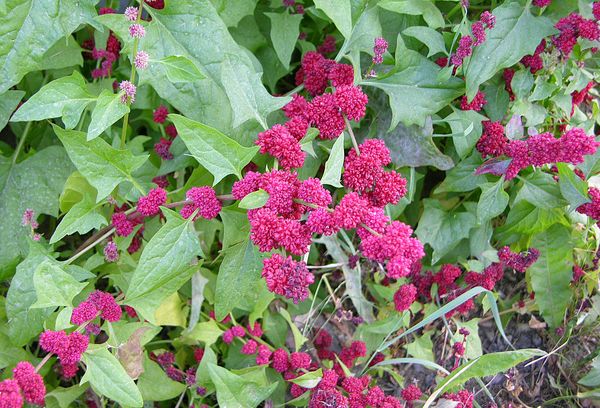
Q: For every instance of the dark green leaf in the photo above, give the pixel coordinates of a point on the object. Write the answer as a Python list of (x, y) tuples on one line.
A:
[(525, 218), (164, 265), (254, 200), (572, 188), (492, 202), (28, 184), (65, 97), (218, 153), (64, 396), (109, 378), (551, 274), (334, 164), (236, 226), (239, 277), (285, 29), (103, 166), (463, 177), (541, 190), (414, 90), (466, 130), (443, 230), (504, 46), (31, 28)]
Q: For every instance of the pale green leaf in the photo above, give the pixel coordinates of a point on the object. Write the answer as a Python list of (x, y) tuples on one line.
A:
[(103, 166), (218, 153), (234, 391), (340, 12), (432, 15), (572, 188), (285, 29), (9, 101), (333, 166), (155, 385), (109, 378), (164, 265), (54, 287), (310, 379), (493, 200), (428, 36), (109, 108), (81, 218), (180, 68), (256, 199), (65, 97)]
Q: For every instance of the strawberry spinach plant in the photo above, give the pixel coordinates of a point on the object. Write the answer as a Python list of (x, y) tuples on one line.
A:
[(322, 203)]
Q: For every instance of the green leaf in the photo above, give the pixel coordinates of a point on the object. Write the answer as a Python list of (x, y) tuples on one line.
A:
[(504, 46), (299, 339), (484, 366), (239, 277), (30, 29), (525, 218), (541, 190), (64, 396), (551, 274), (65, 97), (236, 227), (206, 332), (426, 8), (334, 164), (155, 385), (232, 12), (218, 153), (285, 29), (521, 84), (572, 188), (414, 90), (466, 130), (443, 230), (28, 184), (54, 287), (81, 218), (421, 348), (164, 265), (235, 391), (180, 68), (108, 110), (492, 202), (340, 12), (103, 166), (463, 177), (9, 101), (108, 377), (256, 199), (310, 379), (62, 54), (428, 36), (592, 378)]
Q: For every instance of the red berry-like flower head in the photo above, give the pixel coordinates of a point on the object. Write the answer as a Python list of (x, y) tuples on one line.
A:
[(10, 394), (279, 143), (326, 116), (352, 101), (150, 204), (287, 277), (404, 297), (204, 199), (30, 382)]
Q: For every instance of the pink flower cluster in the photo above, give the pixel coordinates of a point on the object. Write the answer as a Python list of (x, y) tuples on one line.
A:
[(476, 104), (110, 54), (328, 44), (167, 361), (534, 62), (26, 386), (98, 303), (591, 209), (380, 47), (149, 205), (204, 200), (316, 71), (465, 45), (538, 150), (67, 347), (287, 277), (571, 28), (518, 261)]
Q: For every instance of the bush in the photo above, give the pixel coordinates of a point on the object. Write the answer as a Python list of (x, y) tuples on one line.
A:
[(314, 203)]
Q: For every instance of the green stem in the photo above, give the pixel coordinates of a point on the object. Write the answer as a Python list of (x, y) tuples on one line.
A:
[(21, 143), (351, 133), (136, 42), (93, 244)]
